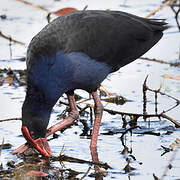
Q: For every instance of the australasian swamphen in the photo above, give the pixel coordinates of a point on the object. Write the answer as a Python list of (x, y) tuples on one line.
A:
[(78, 51)]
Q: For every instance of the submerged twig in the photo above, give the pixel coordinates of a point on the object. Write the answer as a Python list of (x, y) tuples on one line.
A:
[(1, 147), (144, 97), (77, 160), (166, 150), (128, 130), (164, 94), (10, 47), (177, 124), (86, 173)]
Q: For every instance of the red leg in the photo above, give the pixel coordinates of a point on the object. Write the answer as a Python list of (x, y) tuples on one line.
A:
[(98, 111), (73, 115)]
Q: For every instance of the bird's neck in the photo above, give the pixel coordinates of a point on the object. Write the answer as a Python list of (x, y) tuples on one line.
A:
[(47, 79), (36, 112), (37, 101)]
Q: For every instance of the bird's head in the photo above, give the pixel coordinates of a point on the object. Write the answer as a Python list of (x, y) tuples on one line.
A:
[(40, 144), (34, 125)]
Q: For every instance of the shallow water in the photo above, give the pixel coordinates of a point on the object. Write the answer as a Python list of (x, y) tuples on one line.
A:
[(23, 22)]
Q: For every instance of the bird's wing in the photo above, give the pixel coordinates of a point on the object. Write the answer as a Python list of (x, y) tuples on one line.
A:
[(110, 36), (113, 37)]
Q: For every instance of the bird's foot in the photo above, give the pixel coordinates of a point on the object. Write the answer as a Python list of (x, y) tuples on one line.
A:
[(40, 144)]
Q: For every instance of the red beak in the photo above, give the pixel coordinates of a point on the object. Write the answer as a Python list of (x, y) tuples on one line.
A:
[(40, 144)]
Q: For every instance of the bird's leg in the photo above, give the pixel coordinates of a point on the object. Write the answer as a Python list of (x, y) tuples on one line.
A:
[(73, 115), (98, 110)]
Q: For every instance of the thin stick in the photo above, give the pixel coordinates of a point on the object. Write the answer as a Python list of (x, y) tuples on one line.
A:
[(177, 124), (83, 101), (145, 97), (86, 173), (32, 5), (161, 7), (129, 129), (160, 61), (80, 161), (10, 39), (10, 48), (1, 147), (84, 9), (164, 94), (11, 119)]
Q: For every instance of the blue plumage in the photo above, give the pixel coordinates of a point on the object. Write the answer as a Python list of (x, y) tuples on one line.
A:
[(87, 73), (66, 71)]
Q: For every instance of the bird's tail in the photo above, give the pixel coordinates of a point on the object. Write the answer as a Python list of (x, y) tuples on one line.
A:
[(158, 24)]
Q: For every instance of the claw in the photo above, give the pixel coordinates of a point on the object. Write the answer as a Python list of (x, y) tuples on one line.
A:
[(43, 146), (40, 144)]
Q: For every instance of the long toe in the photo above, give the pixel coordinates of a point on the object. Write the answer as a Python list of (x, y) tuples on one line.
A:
[(42, 146)]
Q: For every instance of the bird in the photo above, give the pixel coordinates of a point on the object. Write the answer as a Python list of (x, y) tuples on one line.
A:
[(78, 51)]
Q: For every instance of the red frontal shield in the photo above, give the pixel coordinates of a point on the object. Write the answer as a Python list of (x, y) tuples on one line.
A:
[(40, 144)]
